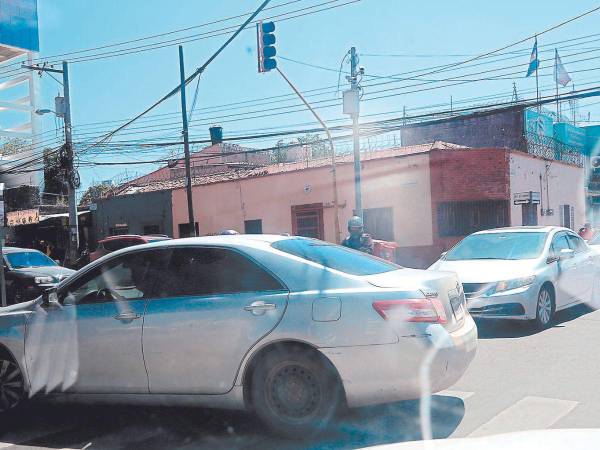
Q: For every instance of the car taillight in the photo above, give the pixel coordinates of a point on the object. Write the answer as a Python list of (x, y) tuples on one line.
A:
[(412, 310)]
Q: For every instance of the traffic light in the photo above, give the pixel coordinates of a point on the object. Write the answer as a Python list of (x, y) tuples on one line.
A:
[(266, 49)]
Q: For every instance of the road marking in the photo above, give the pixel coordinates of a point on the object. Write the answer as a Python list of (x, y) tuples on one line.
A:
[(460, 394), (529, 413), (21, 438)]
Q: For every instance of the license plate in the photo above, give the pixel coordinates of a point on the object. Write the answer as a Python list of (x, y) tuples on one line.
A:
[(458, 307)]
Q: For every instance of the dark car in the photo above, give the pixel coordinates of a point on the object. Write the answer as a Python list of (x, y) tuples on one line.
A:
[(29, 272), (114, 243)]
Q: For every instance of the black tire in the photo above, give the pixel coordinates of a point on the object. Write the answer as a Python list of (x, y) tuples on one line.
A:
[(545, 307), (295, 393), (12, 384)]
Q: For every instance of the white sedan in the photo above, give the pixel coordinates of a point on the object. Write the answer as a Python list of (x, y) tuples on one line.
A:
[(290, 328), (525, 273)]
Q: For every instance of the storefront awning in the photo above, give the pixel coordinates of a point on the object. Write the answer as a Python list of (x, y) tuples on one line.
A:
[(54, 216)]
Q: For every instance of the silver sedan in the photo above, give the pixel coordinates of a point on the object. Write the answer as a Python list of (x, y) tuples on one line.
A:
[(524, 273), (290, 328)]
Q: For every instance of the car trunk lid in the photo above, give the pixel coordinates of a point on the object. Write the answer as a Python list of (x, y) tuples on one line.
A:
[(443, 286)]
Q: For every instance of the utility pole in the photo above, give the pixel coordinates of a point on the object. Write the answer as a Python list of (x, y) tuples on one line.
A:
[(186, 147), (354, 112), (71, 174)]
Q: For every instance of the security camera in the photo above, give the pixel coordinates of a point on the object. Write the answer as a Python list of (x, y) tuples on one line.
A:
[(361, 70)]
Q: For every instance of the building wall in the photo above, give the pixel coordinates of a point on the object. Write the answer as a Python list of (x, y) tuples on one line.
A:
[(400, 182), (563, 185), (137, 211), (501, 129)]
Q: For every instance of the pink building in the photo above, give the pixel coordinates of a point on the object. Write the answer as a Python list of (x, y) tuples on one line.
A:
[(424, 197)]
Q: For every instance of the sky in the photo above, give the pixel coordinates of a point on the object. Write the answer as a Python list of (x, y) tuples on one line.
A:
[(391, 36)]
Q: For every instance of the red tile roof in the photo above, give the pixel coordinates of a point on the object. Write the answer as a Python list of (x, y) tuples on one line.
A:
[(237, 174)]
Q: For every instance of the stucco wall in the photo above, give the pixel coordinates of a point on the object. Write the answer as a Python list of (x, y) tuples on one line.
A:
[(564, 186), (399, 182)]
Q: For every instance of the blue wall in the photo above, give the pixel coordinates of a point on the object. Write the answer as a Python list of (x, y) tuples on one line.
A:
[(19, 24)]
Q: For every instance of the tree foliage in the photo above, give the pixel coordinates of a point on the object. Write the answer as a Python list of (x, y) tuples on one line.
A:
[(94, 193)]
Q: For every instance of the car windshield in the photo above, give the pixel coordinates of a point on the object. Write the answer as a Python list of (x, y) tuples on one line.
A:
[(517, 245), (335, 257), (20, 260)]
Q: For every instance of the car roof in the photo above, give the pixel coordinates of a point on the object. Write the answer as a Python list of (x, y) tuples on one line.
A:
[(135, 236), (246, 240), (121, 236), (18, 250), (524, 229)]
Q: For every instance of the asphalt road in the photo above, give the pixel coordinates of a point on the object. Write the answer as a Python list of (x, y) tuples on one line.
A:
[(519, 380)]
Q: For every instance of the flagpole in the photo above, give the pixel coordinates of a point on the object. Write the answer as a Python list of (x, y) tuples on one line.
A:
[(537, 83), (574, 106), (556, 82)]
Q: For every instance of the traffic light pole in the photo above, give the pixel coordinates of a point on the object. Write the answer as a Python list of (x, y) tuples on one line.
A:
[(356, 137), (186, 148), (332, 149)]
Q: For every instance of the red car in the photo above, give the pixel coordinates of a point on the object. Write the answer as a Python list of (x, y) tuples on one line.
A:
[(113, 243)]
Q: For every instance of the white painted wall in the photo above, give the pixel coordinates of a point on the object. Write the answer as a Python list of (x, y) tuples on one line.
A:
[(561, 184)]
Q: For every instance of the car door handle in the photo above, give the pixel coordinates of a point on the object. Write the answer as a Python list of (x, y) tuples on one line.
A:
[(259, 307), (127, 317)]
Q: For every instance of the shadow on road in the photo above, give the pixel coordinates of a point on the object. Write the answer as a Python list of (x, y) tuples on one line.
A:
[(499, 328), (59, 426)]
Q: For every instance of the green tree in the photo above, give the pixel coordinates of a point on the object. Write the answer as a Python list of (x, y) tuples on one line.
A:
[(319, 148), (279, 155), (14, 146), (95, 192)]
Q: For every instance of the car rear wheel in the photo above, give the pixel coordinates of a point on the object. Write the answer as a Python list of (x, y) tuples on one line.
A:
[(545, 308), (294, 393), (12, 386)]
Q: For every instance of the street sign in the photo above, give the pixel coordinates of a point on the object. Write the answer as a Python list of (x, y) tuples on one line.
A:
[(525, 198)]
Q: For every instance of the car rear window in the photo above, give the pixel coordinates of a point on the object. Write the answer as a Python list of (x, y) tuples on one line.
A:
[(335, 257)]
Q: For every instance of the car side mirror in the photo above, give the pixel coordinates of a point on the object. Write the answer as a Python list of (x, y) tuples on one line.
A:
[(50, 297), (552, 259), (566, 253)]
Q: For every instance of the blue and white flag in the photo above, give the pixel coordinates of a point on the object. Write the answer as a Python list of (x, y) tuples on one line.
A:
[(534, 62), (560, 73)]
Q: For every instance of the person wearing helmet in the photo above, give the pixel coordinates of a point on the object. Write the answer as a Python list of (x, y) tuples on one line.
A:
[(228, 232), (587, 231), (358, 239)]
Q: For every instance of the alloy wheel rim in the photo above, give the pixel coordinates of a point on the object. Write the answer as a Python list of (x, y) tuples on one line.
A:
[(11, 385), (293, 392), (544, 307)]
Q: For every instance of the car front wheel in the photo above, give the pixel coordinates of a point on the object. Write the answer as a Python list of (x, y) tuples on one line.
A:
[(294, 393), (12, 387), (544, 308)]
